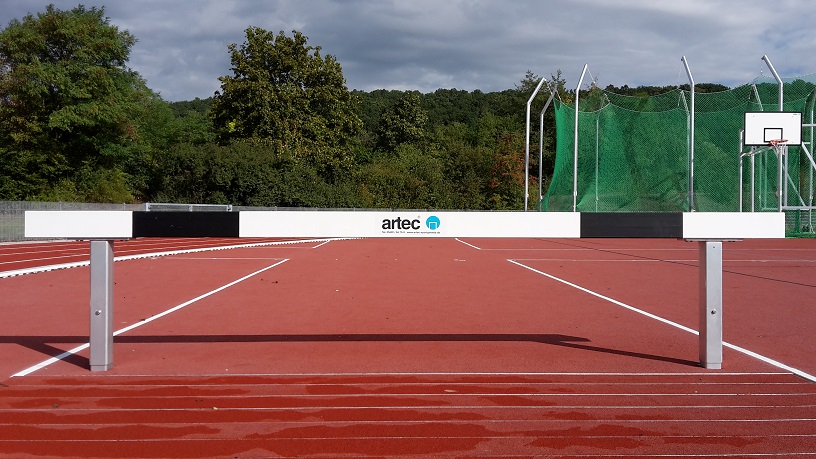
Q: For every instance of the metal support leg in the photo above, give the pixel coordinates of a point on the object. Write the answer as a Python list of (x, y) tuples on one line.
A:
[(101, 339), (711, 304)]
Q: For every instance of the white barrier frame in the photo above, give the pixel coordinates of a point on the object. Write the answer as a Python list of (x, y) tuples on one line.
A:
[(710, 230)]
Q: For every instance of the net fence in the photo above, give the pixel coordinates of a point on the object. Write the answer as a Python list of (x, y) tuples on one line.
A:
[(634, 152)]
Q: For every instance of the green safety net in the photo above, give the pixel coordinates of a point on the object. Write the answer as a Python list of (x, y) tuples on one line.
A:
[(634, 152)]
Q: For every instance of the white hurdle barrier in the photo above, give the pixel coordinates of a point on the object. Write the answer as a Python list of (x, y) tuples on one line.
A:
[(104, 227)]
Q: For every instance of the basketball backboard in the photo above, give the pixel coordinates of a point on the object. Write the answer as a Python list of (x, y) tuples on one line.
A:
[(763, 127)]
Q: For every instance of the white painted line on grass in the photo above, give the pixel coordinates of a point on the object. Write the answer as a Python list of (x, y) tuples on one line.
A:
[(66, 354), (760, 357)]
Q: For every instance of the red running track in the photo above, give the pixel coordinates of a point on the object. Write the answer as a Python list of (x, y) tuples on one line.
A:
[(18, 256), (417, 348)]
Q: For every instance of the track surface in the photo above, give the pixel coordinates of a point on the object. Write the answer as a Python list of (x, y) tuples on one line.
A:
[(412, 348)]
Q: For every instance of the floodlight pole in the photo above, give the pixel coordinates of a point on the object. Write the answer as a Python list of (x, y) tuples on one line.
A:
[(691, 137), (575, 144), (778, 81), (527, 155), (541, 148)]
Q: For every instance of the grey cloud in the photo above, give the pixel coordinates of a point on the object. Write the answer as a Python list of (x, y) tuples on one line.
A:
[(470, 44)]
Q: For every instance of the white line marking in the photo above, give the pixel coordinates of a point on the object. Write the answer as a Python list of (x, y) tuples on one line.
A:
[(436, 383), (225, 258), (336, 239), (760, 357), (611, 300), (44, 364), (578, 249), (456, 407), (468, 244), (595, 260), (66, 354), (532, 395), (40, 269), (662, 260), (369, 420), (701, 373)]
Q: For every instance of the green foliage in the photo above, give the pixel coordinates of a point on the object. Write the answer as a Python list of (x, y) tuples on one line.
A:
[(249, 173), (403, 122), (67, 96), (285, 91), (77, 125), (197, 105), (413, 179), (90, 185)]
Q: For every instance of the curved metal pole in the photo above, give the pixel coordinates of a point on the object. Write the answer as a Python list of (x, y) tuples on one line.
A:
[(541, 149), (741, 159), (575, 144), (778, 81), (782, 164), (691, 137), (527, 155)]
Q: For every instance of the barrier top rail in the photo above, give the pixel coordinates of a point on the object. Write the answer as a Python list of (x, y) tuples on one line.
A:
[(131, 224)]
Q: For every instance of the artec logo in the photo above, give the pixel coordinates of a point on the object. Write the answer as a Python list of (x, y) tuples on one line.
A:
[(411, 225), (400, 224)]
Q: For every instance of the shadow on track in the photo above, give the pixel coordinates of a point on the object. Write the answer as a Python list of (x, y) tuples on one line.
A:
[(45, 344)]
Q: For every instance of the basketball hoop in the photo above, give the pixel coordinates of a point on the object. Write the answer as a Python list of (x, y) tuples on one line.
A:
[(776, 142)]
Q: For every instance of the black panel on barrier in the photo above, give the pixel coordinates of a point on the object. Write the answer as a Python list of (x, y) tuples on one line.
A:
[(185, 224), (632, 225)]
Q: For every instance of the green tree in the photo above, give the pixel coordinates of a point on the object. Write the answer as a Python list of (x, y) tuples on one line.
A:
[(286, 92), (66, 96), (403, 122)]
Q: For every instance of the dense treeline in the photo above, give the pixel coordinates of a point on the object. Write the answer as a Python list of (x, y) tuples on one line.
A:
[(77, 125), (460, 152)]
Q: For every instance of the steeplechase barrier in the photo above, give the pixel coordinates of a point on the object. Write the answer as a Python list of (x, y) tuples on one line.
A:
[(102, 228)]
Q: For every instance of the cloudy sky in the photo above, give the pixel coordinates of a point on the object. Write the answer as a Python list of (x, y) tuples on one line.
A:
[(469, 44)]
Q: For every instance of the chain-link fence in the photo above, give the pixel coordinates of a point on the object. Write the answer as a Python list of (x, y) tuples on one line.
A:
[(634, 153), (800, 223)]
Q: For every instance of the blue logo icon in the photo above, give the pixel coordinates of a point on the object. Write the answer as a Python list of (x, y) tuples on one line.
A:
[(433, 223)]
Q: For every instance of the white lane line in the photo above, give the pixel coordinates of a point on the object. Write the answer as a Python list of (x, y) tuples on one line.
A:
[(573, 249), (663, 260), (456, 394), (66, 354), (701, 374), (755, 355), (40, 269), (468, 244), (452, 406), (334, 239)]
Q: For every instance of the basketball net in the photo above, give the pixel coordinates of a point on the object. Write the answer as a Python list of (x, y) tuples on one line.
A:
[(779, 145)]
